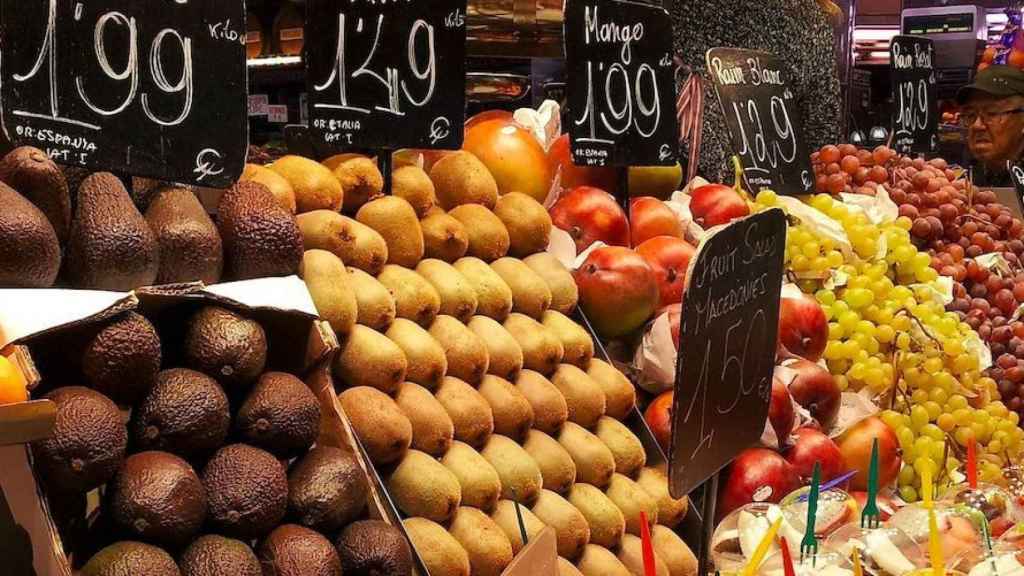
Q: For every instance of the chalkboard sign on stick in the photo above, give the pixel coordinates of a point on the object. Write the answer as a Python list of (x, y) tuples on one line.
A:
[(621, 83), (386, 74), (729, 330), (915, 116), (764, 122), (153, 89), (1017, 175)]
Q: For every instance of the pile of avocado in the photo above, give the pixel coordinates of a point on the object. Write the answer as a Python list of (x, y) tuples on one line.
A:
[(215, 472)]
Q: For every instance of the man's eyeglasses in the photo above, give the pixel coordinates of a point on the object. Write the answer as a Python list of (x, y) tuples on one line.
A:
[(969, 117)]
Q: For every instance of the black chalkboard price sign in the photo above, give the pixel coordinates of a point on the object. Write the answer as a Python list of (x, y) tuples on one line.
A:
[(154, 89), (621, 83), (726, 347), (915, 116), (386, 74), (1017, 176), (764, 123)]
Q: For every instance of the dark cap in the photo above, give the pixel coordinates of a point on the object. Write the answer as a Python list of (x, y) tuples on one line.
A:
[(998, 80)]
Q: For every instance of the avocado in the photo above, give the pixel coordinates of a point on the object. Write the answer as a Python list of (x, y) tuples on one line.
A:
[(246, 491), (128, 557), (190, 246), (31, 172), (374, 548), (157, 497), (111, 246), (280, 415), (88, 441), (226, 346), (29, 251), (122, 360), (293, 550), (260, 237), (327, 489), (213, 555), (186, 413)]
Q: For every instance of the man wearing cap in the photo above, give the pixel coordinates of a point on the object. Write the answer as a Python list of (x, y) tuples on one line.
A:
[(993, 113)]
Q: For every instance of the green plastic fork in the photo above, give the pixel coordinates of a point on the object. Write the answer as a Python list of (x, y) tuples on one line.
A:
[(870, 517), (809, 544)]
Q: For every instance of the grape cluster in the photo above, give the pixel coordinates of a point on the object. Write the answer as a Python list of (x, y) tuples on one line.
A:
[(844, 168)]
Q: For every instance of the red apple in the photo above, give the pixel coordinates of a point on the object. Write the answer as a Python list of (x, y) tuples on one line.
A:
[(756, 472), (618, 291), (803, 327), (659, 419), (815, 389), (716, 204), (855, 445), (590, 214), (650, 217), (560, 156), (675, 314), (513, 156), (780, 411), (810, 446), (886, 505), (669, 257)]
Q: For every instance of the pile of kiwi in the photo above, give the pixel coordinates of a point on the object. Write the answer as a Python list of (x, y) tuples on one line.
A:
[(470, 385), (205, 457)]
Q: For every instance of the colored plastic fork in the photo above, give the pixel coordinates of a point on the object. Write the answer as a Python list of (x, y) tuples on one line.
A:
[(870, 517), (809, 544)]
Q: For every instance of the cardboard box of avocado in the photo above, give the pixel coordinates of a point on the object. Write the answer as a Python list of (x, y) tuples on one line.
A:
[(234, 450)]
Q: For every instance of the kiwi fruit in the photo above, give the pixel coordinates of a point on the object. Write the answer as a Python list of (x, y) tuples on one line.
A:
[(542, 351), (631, 500), (594, 461), (355, 243), (505, 517), (671, 511), (564, 293), (314, 185), (488, 237), (440, 551), (415, 298), (619, 392), (375, 307), (465, 351), (506, 357), (673, 552), (432, 428), (625, 446), (513, 415), (577, 343), (520, 477), (549, 408), (573, 532), (278, 186), (489, 550), (460, 178), (530, 294), (369, 358), (527, 222), (604, 518), (566, 568), (470, 413), (493, 295), (458, 297), (421, 486), (327, 280), (583, 396), (396, 221), (599, 561), (631, 555), (384, 430), (556, 466), (362, 181), (413, 185), (426, 362), (481, 486), (444, 237)]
